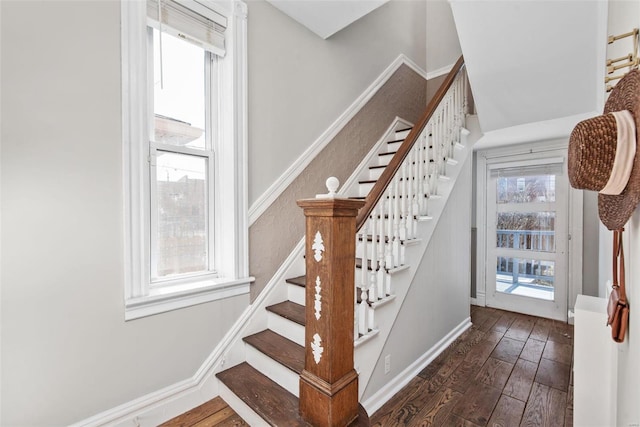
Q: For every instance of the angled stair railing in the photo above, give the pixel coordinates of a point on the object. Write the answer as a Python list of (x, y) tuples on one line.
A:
[(398, 201), (447, 117), (386, 223), (301, 370)]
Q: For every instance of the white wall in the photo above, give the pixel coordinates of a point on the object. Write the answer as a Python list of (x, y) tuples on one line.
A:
[(67, 352), (299, 84), (624, 16), (443, 46), (590, 244), (438, 300)]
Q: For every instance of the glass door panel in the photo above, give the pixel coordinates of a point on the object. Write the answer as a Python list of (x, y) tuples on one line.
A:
[(526, 241)]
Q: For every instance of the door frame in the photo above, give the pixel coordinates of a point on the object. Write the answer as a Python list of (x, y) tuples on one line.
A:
[(484, 159)]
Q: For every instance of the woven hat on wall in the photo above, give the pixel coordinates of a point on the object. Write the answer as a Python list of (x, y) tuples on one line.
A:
[(602, 154)]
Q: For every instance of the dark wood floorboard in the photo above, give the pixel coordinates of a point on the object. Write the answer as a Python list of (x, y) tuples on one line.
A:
[(507, 370)]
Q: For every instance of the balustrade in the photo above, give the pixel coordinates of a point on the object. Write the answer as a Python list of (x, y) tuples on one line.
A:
[(391, 221)]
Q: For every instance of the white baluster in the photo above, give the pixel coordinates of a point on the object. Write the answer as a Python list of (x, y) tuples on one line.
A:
[(363, 312), (388, 251), (372, 318), (410, 192), (363, 257), (371, 258), (404, 200), (420, 172), (396, 221), (414, 194), (381, 246)]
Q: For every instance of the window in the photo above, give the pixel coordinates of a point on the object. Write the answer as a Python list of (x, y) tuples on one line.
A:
[(184, 132)]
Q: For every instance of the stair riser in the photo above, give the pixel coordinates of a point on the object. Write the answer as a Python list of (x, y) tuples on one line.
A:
[(394, 146), (375, 173), (384, 160), (286, 328), (296, 293), (364, 189), (274, 370), (403, 134)]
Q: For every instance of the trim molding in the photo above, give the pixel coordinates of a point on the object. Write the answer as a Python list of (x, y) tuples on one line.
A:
[(277, 188), (439, 72), (383, 395)]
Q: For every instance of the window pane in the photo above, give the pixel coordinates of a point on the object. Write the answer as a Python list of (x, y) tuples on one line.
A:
[(181, 237), (526, 189), (530, 231), (179, 92), (527, 277)]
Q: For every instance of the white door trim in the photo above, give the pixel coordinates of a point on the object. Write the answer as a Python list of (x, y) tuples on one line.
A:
[(574, 226)]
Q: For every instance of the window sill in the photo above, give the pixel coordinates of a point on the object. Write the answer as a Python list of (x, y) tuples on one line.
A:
[(161, 300)]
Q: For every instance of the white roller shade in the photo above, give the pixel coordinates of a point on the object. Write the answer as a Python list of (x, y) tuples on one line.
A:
[(191, 21), (549, 166)]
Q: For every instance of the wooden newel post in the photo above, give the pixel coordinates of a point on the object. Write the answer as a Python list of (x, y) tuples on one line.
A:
[(329, 383)]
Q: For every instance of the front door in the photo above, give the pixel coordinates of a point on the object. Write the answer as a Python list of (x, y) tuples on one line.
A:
[(527, 205)]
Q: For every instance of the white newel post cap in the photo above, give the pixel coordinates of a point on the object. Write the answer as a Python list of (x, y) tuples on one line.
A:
[(332, 184)]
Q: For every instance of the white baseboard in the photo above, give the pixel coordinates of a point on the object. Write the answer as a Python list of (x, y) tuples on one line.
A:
[(281, 184), (383, 395), (480, 299), (169, 402), (148, 410), (439, 72)]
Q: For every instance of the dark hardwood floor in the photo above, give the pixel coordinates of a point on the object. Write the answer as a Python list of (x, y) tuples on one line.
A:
[(507, 370)]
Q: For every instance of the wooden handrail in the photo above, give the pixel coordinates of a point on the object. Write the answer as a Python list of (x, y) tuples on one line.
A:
[(394, 165)]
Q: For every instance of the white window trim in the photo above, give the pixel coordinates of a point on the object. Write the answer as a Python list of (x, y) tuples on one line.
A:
[(231, 242)]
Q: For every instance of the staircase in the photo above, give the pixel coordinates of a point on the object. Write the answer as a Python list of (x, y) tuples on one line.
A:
[(268, 382), (403, 183)]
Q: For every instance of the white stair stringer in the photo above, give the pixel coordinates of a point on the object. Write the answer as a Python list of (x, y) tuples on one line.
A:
[(366, 355)]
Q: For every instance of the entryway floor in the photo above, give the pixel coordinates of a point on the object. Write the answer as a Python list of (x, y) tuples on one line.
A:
[(508, 369)]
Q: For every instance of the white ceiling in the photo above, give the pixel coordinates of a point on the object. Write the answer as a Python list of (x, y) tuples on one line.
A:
[(326, 18), (533, 65)]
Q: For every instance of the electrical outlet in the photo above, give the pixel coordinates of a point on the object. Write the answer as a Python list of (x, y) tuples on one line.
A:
[(387, 363)]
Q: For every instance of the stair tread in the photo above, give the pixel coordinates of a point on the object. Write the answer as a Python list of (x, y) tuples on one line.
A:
[(300, 281), (368, 181), (279, 348), (289, 310), (268, 399), (389, 153)]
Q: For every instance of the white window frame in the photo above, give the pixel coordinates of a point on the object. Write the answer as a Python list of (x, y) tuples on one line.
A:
[(230, 196)]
